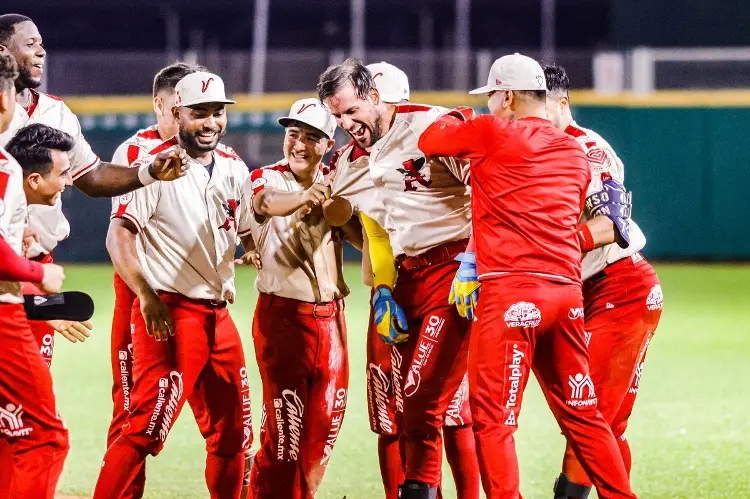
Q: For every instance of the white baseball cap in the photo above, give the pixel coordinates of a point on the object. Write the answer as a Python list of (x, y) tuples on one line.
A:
[(311, 112), (200, 88), (391, 82), (514, 72)]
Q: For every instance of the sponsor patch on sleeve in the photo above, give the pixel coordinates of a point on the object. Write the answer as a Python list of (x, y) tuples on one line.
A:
[(599, 160)]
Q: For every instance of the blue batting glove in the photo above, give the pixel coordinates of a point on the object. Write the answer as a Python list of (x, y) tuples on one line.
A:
[(465, 288), (389, 318)]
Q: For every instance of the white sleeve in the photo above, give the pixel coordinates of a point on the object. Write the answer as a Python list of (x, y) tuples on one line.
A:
[(602, 161), (11, 194), (137, 206), (82, 157), (245, 215)]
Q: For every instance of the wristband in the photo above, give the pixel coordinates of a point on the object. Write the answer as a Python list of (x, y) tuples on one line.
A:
[(585, 238), (144, 175)]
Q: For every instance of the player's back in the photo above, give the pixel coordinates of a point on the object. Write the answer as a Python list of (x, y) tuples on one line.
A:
[(528, 194)]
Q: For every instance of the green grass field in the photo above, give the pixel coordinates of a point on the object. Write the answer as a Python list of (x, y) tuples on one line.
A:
[(690, 433)]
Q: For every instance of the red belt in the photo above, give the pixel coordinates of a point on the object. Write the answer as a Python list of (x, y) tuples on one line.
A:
[(326, 309), (438, 254), (629, 262), (43, 258)]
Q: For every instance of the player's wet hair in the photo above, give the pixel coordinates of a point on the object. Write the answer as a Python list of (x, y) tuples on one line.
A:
[(557, 79), (351, 71), (8, 72), (8, 26), (167, 78), (32, 147)]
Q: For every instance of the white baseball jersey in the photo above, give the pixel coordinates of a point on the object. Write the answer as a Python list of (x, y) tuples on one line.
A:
[(302, 257), (12, 218), (603, 160), (351, 169), (188, 227), (137, 146), (427, 203), (48, 221)]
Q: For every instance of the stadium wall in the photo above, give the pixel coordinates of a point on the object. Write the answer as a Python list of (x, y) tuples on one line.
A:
[(686, 156)]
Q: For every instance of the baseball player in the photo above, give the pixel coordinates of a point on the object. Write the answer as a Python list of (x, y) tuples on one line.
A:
[(426, 205), (458, 436), (622, 297), (136, 147), (29, 424), (529, 181), (299, 329), (184, 341), (20, 37)]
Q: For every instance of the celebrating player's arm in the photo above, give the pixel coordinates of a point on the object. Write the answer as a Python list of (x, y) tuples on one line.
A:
[(389, 318), (121, 244)]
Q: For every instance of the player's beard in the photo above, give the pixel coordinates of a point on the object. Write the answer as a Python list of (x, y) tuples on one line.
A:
[(25, 80), (192, 142)]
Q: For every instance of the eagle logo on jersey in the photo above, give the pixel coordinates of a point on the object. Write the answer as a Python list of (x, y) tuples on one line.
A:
[(230, 208), (411, 172)]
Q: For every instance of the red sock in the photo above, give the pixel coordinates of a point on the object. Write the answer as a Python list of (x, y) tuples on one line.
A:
[(627, 458), (460, 450), (391, 465), (224, 475), (120, 465), (137, 486)]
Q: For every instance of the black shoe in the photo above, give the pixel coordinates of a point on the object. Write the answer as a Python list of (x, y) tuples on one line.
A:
[(416, 490), (565, 489)]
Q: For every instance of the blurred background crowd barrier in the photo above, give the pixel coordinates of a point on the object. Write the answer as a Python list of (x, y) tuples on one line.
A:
[(666, 82)]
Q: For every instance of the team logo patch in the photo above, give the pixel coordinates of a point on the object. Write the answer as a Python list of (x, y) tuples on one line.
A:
[(11, 421), (575, 313), (655, 300), (230, 209), (523, 314), (125, 199), (412, 173), (581, 391), (258, 184), (599, 160)]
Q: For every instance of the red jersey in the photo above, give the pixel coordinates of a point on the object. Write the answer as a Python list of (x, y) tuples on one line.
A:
[(528, 186)]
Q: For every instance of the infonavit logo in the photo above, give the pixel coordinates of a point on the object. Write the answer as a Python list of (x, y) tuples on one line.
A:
[(523, 314), (11, 421), (581, 391), (655, 300)]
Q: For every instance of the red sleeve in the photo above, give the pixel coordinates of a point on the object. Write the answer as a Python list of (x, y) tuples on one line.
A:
[(16, 268), (451, 137)]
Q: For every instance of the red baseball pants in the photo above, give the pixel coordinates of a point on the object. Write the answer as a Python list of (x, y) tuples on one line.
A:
[(121, 356), (431, 365), (37, 437), (204, 359), (304, 366), (623, 305), (385, 416), (43, 332), (526, 322)]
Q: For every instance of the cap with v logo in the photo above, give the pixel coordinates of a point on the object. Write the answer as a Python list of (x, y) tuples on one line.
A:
[(313, 113), (200, 88)]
